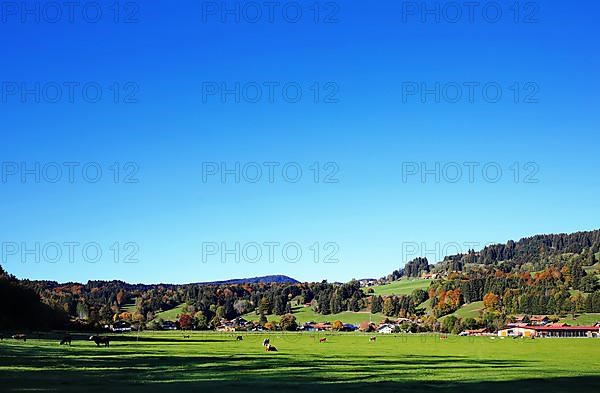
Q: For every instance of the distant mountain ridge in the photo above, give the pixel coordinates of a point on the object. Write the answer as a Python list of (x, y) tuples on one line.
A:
[(272, 279)]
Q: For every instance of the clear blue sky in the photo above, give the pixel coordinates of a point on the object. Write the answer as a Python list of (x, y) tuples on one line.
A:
[(175, 52)]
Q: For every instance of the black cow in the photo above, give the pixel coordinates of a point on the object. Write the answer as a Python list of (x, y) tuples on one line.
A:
[(266, 342), (20, 337), (66, 340), (239, 338), (100, 340)]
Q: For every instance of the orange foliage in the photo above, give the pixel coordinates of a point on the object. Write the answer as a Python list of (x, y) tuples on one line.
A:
[(491, 301)]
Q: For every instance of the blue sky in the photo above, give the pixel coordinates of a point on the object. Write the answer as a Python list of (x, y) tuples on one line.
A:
[(363, 129)]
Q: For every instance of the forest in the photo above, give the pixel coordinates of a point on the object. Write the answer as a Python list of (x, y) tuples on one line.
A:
[(544, 274)]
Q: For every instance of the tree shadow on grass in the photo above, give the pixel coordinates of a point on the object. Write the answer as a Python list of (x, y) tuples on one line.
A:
[(114, 369)]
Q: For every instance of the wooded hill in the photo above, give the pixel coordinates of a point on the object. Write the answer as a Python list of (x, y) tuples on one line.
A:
[(546, 274)]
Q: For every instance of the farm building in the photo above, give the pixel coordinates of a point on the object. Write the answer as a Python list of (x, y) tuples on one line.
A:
[(316, 327), (366, 326), (386, 328), (567, 331), (520, 331), (555, 330), (533, 320), (169, 325), (308, 327), (121, 326), (475, 332)]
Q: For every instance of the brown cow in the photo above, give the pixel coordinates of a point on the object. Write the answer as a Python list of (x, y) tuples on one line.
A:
[(324, 339)]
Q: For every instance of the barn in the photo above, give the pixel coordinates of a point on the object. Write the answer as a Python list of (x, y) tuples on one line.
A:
[(552, 330)]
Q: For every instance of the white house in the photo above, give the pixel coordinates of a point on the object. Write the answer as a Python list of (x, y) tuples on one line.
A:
[(121, 326), (386, 329)]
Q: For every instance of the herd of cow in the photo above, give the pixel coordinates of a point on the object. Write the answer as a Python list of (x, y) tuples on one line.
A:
[(66, 340), (101, 340)]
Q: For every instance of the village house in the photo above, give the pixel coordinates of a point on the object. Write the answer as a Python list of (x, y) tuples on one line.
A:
[(322, 326), (367, 282), (120, 326), (225, 326), (169, 325), (534, 320), (366, 326), (386, 328), (475, 332)]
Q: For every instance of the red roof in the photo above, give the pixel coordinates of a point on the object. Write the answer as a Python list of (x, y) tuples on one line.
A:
[(563, 328), (538, 317)]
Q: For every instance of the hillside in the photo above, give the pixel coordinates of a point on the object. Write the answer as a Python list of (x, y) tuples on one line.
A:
[(306, 314), (170, 315), (537, 252), (19, 303), (585, 319), (400, 287), (470, 310)]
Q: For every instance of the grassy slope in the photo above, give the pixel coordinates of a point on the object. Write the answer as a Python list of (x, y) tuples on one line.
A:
[(470, 310), (128, 307), (583, 319), (345, 363), (306, 314), (170, 315), (401, 287)]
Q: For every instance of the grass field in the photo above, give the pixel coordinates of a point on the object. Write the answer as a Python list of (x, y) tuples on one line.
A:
[(587, 319), (401, 287), (306, 314), (471, 310), (170, 315), (211, 362)]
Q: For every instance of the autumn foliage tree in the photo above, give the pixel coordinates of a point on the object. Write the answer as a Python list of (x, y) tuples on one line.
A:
[(337, 325), (186, 321), (288, 322), (491, 302)]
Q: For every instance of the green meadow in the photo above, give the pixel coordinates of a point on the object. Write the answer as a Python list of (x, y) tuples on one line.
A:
[(170, 315), (471, 310), (212, 362), (400, 287)]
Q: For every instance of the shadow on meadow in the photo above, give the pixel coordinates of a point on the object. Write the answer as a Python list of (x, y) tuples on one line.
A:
[(92, 369)]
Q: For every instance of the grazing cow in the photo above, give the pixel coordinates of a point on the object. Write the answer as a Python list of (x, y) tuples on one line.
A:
[(66, 340), (100, 340), (270, 348), (266, 342), (20, 336), (239, 338), (322, 340), (372, 338)]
